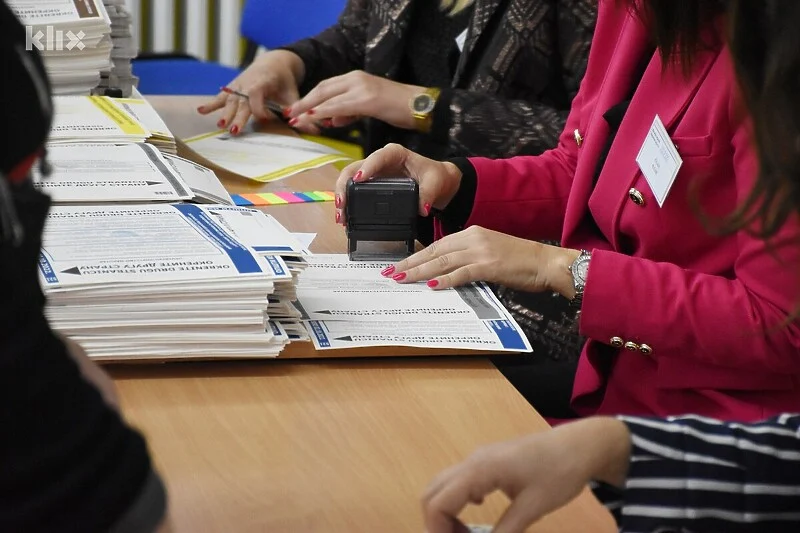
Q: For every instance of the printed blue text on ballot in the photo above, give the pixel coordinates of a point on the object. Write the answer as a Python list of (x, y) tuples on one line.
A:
[(508, 335), (319, 332), (47, 269), (240, 256)]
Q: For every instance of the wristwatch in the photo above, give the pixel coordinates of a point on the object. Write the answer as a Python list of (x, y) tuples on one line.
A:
[(580, 271), (422, 108)]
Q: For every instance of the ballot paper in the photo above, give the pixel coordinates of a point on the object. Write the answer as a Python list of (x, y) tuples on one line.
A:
[(144, 243), (203, 182), (159, 281), (346, 304), (81, 119), (140, 109), (260, 231), (260, 157), (104, 173), (73, 38)]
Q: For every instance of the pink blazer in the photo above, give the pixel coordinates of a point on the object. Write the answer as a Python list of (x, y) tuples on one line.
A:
[(701, 315)]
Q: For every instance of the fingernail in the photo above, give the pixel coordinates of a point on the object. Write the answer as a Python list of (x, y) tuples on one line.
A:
[(293, 122), (287, 111), (221, 123), (327, 123), (338, 201), (433, 283), (358, 176), (311, 111), (399, 277), (201, 109), (427, 208), (338, 217), (388, 271), (234, 130)]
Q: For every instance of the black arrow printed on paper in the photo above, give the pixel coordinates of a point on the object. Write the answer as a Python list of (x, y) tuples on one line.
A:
[(348, 339), (73, 270), (324, 312), (153, 182)]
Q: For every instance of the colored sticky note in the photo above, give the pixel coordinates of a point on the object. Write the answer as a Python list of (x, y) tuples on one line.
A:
[(238, 199), (289, 197), (273, 199)]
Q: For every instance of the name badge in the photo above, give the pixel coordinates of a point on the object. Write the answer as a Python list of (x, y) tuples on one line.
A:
[(460, 40), (659, 161)]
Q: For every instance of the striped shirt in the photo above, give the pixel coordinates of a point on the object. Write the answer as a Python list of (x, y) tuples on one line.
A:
[(693, 474)]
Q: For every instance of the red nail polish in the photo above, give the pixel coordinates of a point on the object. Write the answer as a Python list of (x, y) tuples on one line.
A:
[(433, 283), (328, 123), (286, 112), (234, 130), (338, 217), (201, 109), (337, 202), (399, 277), (311, 111), (388, 271), (427, 208), (293, 122), (221, 123), (357, 176)]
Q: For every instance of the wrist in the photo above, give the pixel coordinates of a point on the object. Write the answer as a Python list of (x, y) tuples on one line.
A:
[(558, 275)]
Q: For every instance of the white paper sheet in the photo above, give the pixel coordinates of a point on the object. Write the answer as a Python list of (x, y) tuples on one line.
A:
[(203, 182), (262, 157), (93, 119), (106, 173), (85, 245), (349, 304)]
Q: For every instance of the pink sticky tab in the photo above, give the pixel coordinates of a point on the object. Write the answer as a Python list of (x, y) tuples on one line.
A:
[(289, 197)]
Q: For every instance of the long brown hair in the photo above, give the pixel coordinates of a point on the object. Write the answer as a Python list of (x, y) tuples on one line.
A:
[(764, 39), (679, 28)]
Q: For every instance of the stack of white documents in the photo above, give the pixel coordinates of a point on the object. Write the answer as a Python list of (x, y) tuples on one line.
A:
[(139, 108), (168, 281), (74, 38), (95, 119), (120, 74), (109, 173), (347, 304)]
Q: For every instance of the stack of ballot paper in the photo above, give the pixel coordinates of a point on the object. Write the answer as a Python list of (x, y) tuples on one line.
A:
[(73, 37), (139, 108), (169, 281), (258, 156), (120, 74), (346, 304), (95, 119)]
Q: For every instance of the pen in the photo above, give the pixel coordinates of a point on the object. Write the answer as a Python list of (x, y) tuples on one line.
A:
[(275, 107)]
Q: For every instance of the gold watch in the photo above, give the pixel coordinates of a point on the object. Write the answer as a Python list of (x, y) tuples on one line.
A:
[(422, 108)]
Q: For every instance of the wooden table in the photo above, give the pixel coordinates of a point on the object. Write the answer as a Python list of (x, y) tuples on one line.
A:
[(324, 446)]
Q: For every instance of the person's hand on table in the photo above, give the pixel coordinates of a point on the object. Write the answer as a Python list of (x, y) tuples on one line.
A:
[(479, 254), (438, 181), (274, 75), (539, 473), (340, 100)]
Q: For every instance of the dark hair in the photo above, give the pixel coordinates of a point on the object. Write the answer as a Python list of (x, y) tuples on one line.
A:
[(679, 28), (764, 40)]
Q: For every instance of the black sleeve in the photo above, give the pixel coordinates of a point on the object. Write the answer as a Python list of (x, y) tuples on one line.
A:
[(338, 49), (455, 215)]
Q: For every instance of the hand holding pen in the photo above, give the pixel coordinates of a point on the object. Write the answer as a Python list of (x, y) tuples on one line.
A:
[(277, 109)]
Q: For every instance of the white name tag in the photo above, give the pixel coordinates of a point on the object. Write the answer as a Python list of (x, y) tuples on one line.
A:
[(460, 40), (659, 161)]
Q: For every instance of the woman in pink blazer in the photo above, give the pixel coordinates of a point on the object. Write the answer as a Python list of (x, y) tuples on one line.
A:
[(680, 318)]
